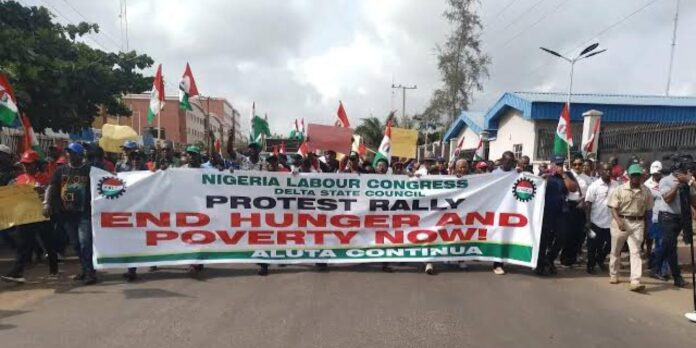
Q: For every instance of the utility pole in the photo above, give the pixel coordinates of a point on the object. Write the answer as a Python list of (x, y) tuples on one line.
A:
[(674, 44), (403, 98)]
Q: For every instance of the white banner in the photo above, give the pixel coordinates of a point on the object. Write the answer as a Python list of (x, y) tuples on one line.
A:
[(186, 216)]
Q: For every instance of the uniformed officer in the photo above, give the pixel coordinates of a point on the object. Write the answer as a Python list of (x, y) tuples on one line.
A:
[(630, 202)]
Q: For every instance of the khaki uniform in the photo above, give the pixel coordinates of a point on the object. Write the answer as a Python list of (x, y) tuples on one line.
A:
[(632, 205)]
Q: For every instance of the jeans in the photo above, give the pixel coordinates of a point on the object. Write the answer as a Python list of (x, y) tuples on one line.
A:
[(79, 229), (655, 233), (671, 226), (598, 247), (27, 239)]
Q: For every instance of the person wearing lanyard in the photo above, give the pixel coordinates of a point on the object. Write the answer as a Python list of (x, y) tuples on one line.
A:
[(629, 205)]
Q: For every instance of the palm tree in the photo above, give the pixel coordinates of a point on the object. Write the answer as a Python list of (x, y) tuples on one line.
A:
[(371, 129)]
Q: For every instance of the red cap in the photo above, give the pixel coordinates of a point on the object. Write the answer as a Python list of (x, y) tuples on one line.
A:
[(29, 156), (481, 165)]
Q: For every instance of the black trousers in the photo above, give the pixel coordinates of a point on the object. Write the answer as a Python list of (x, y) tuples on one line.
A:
[(598, 247), (26, 242), (576, 235), (553, 237), (671, 227)]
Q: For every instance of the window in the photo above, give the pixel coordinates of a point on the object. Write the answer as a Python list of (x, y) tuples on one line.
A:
[(517, 150)]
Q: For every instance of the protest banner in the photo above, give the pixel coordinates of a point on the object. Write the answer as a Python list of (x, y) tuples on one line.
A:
[(184, 216), (20, 205), (324, 137), (404, 142)]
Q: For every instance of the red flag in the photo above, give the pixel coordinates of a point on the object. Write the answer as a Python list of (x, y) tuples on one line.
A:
[(188, 77), (304, 149), (589, 147), (342, 120), (362, 150), (218, 145)]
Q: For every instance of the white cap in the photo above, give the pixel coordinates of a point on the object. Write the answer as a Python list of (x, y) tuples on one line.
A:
[(4, 148), (656, 167)]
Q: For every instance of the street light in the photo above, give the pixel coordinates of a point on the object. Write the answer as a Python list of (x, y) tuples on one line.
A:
[(588, 52)]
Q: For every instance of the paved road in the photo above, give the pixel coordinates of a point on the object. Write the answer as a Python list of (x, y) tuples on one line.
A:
[(351, 306)]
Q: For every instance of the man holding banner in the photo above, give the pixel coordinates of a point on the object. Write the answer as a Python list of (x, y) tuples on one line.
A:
[(28, 233)]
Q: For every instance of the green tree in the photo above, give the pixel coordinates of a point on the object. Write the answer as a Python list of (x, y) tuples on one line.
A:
[(461, 62), (371, 129), (60, 83)]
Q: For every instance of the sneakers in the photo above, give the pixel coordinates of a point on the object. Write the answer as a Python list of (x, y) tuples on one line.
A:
[(52, 276), (263, 270), (13, 278), (90, 278), (79, 276), (680, 282), (637, 287), (657, 275), (613, 280), (498, 270), (429, 269), (130, 276)]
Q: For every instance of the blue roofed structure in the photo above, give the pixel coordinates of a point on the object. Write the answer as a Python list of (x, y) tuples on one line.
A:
[(472, 119), (616, 108), (525, 123)]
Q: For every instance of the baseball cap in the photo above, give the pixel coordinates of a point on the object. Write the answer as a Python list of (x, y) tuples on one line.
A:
[(29, 156), (193, 149), (635, 169), (129, 144), (76, 148), (656, 167), (6, 149), (557, 159)]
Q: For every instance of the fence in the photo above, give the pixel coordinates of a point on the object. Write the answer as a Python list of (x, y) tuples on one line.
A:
[(13, 139), (649, 141), (437, 148)]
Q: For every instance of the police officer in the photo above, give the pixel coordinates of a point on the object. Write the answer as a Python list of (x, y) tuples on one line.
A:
[(677, 191), (629, 205)]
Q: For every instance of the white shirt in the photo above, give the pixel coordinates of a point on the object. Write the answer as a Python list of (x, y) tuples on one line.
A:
[(598, 194), (654, 187), (422, 171), (583, 183)]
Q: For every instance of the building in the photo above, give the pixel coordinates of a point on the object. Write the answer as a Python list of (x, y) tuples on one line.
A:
[(525, 123), (179, 126)]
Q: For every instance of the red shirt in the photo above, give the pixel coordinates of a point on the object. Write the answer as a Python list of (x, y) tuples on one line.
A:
[(27, 179)]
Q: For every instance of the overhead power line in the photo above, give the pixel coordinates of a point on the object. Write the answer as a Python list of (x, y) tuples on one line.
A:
[(101, 31)]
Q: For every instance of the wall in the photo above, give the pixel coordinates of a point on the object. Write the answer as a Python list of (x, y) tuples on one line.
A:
[(471, 140), (513, 129)]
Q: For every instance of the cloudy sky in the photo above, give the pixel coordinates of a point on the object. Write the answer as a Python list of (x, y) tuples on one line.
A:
[(297, 58)]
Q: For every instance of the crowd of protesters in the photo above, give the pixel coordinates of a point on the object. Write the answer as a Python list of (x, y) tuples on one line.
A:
[(592, 210)]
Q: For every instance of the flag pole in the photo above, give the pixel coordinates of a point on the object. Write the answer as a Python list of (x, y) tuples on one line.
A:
[(159, 125), (570, 93)]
